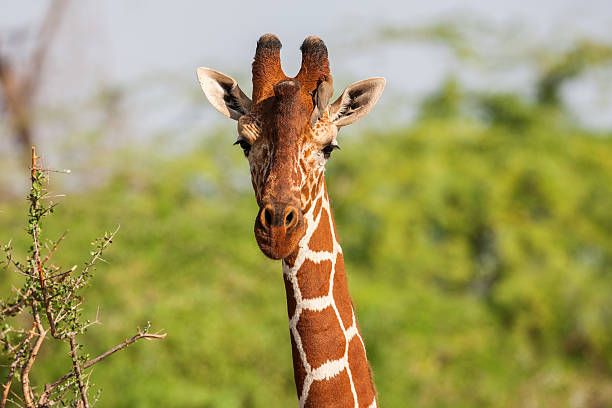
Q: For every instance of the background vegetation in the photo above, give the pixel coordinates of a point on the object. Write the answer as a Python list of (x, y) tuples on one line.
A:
[(478, 242)]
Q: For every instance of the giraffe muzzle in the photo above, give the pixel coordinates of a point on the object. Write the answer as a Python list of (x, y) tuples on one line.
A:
[(278, 229)]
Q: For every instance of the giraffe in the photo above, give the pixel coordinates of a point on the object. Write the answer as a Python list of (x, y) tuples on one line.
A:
[(287, 146)]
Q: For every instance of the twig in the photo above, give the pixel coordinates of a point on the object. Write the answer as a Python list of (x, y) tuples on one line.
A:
[(55, 244), (14, 309), (83, 273), (2, 334), (25, 371), (15, 395), (126, 343), (18, 306), (63, 274), (102, 248), (44, 397), (64, 171), (77, 371), (97, 321), (9, 258), (13, 367)]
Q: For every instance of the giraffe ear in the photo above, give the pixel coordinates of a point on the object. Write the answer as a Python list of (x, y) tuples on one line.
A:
[(356, 101), (223, 93)]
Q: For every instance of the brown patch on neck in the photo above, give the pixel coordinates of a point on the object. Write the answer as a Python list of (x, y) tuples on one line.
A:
[(299, 372), (291, 303), (342, 298), (335, 392), (317, 207), (313, 279), (362, 374), (321, 239), (322, 337)]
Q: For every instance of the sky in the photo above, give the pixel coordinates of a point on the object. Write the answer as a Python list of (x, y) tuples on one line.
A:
[(148, 47)]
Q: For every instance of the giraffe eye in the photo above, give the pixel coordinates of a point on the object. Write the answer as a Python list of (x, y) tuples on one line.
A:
[(246, 146), (328, 149)]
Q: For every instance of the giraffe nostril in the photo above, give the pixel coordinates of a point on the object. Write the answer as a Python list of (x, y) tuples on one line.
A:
[(267, 216), (291, 218)]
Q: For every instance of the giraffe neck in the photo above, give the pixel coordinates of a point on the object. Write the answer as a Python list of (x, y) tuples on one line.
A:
[(329, 358)]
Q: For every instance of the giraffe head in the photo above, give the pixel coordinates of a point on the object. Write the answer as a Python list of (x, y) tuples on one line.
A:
[(286, 144)]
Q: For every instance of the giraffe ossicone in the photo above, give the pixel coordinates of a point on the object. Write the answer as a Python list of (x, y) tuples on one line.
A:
[(288, 130)]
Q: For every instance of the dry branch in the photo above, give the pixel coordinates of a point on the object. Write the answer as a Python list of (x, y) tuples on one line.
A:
[(19, 90), (133, 339)]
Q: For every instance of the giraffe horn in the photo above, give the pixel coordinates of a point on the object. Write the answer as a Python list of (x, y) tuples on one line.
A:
[(314, 63), (267, 70)]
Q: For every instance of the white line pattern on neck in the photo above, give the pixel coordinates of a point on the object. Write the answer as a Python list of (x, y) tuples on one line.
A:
[(329, 369)]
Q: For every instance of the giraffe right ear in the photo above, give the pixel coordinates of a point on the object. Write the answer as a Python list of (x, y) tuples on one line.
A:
[(223, 93), (356, 101)]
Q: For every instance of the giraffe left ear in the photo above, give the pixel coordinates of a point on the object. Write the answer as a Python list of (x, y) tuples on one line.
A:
[(356, 101), (223, 93)]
